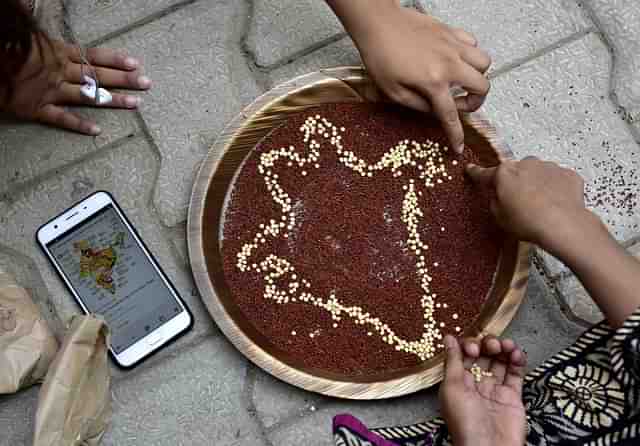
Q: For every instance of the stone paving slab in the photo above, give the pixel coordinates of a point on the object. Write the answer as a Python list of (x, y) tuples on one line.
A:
[(340, 53), (315, 429), (17, 417), (200, 82), (94, 19), (619, 21), (129, 173), (579, 301), (29, 150), (557, 107), (539, 327), (193, 398), (513, 30), (279, 30), (276, 401)]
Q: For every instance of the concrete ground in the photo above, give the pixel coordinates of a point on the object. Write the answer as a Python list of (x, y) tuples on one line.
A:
[(565, 87)]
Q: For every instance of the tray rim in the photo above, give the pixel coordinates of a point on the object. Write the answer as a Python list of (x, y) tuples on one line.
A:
[(351, 390)]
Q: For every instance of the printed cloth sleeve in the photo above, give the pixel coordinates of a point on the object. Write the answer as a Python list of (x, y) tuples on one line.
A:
[(588, 394)]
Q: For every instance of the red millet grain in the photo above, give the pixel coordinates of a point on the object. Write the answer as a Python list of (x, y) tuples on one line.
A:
[(349, 239)]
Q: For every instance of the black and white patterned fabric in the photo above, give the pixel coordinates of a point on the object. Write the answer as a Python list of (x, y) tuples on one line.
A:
[(589, 394)]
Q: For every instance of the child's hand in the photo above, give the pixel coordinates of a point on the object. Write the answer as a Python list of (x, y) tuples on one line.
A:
[(416, 60), (537, 201), (489, 411), (51, 79)]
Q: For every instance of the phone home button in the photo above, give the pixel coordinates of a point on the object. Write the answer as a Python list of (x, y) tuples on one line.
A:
[(154, 339)]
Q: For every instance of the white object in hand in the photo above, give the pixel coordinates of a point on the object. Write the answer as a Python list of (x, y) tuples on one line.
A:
[(88, 90)]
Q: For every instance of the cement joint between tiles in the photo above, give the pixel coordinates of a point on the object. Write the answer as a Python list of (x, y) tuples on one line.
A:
[(291, 419), (249, 404), (258, 73), (565, 309), (541, 52), (146, 134), (628, 117), (552, 283), (294, 56), (138, 23), (18, 188), (157, 361)]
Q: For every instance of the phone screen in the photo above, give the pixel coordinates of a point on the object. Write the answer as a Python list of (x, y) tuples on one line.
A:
[(114, 277)]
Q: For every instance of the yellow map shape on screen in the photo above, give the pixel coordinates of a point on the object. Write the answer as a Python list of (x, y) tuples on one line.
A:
[(99, 262)]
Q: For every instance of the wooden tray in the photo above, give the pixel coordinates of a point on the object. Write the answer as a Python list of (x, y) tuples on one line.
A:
[(349, 84)]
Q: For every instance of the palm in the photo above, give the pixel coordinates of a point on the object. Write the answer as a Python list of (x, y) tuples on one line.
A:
[(490, 409)]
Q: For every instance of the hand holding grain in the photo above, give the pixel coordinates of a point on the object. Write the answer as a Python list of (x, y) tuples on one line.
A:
[(481, 396)]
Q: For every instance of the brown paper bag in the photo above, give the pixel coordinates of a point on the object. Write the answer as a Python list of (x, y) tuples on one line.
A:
[(74, 406), (27, 346)]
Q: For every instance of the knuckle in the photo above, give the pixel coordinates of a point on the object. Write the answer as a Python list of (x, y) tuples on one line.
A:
[(451, 118), (436, 78)]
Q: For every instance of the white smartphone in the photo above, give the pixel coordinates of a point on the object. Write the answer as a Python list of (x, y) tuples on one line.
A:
[(102, 260)]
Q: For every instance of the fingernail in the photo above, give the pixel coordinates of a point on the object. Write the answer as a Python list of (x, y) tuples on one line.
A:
[(95, 130), (131, 62), (460, 149), (132, 101), (144, 81)]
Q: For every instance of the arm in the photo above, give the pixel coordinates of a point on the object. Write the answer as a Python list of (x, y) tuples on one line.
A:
[(415, 60), (543, 203), (608, 272)]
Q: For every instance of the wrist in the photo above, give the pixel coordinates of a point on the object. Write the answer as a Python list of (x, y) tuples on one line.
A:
[(361, 23), (564, 235)]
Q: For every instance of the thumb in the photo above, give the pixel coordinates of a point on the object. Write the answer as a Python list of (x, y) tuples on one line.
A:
[(454, 366), (481, 175)]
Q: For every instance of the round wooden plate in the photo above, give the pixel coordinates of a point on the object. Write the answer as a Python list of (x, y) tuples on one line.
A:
[(349, 84)]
